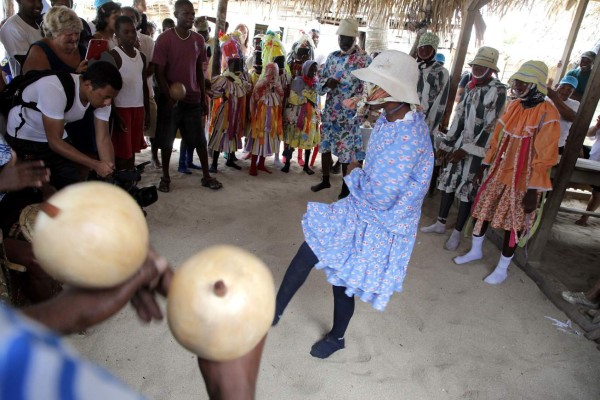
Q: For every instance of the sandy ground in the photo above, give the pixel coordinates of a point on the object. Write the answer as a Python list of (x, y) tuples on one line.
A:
[(447, 336)]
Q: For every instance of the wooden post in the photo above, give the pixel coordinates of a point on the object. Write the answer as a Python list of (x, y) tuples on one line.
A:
[(566, 166), (577, 18), (461, 53), (9, 9), (220, 27)]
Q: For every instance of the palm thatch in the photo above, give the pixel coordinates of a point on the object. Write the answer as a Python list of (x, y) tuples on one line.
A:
[(437, 15)]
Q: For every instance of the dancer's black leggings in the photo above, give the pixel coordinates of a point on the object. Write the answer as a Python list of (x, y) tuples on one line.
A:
[(464, 210), (295, 276)]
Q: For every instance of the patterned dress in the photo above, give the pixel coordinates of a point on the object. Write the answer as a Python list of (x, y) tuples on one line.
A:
[(266, 114), (523, 149), (471, 129), (364, 242), (340, 134), (228, 113), (302, 115), (433, 88)]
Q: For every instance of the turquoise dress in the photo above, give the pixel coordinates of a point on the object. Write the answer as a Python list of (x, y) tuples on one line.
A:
[(364, 242)]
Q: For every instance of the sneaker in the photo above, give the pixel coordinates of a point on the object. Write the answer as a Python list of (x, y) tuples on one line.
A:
[(579, 298)]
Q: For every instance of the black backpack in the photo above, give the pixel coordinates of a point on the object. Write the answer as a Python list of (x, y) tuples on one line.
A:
[(12, 95)]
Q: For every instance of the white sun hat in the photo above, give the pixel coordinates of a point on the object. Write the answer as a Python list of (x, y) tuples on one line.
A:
[(348, 27), (395, 72)]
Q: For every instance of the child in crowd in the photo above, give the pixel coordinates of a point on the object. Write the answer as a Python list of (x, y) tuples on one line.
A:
[(274, 51), (131, 104), (267, 127), (302, 116), (228, 91)]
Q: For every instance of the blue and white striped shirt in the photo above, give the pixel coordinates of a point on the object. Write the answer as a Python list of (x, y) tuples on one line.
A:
[(37, 364)]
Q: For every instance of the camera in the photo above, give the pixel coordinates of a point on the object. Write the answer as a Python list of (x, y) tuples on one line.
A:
[(128, 180)]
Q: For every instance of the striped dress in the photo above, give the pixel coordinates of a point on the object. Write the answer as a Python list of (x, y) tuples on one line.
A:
[(228, 112), (471, 129), (433, 88)]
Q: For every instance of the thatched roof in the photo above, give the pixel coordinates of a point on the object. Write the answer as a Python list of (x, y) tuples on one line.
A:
[(439, 15)]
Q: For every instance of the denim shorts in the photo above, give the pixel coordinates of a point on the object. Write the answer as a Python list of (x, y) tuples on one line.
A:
[(185, 117)]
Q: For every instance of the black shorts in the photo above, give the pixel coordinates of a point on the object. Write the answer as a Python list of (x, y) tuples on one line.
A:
[(185, 117)]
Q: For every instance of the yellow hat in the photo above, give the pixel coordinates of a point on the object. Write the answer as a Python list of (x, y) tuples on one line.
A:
[(535, 72)]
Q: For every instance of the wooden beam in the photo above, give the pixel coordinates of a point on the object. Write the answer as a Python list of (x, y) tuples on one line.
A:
[(567, 163), (220, 27), (577, 18), (459, 60)]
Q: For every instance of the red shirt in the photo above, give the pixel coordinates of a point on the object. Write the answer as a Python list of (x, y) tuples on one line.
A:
[(180, 59)]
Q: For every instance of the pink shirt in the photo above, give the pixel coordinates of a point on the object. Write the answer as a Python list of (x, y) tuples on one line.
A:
[(180, 57)]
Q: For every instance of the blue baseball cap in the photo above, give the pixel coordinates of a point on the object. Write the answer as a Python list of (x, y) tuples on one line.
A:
[(569, 80), (439, 57)]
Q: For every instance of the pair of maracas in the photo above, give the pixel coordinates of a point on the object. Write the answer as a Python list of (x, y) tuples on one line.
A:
[(221, 301)]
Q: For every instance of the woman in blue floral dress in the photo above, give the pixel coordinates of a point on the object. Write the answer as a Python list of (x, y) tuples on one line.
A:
[(363, 242), (340, 135)]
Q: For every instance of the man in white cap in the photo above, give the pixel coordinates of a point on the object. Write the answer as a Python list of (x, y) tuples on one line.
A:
[(340, 134), (465, 143), (364, 241), (433, 85), (582, 73)]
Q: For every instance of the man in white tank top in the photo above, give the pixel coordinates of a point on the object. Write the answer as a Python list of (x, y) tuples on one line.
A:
[(131, 104)]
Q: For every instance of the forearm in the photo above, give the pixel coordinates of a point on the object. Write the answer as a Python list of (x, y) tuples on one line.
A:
[(161, 79), (565, 112), (69, 152), (106, 152)]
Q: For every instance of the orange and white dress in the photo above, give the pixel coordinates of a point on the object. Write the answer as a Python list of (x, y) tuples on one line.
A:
[(523, 149), (266, 110)]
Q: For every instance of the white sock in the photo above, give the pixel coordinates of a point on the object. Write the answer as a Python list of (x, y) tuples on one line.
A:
[(453, 241), (475, 253), (437, 227), (501, 271)]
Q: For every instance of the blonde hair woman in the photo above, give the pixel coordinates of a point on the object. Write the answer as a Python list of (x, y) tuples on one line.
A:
[(60, 50)]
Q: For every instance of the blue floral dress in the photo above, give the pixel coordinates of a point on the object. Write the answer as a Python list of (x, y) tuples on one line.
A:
[(364, 242), (339, 133)]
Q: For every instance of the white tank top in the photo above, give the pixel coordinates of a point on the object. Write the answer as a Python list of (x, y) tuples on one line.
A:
[(132, 92)]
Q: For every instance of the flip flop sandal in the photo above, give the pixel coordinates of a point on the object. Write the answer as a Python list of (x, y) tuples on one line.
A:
[(212, 183), (164, 185)]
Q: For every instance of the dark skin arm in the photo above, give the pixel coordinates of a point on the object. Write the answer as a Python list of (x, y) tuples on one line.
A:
[(15, 176), (146, 94), (163, 85), (76, 309), (564, 110), (530, 201)]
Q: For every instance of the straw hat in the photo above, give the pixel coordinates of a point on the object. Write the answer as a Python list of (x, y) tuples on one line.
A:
[(535, 72), (486, 57), (395, 72), (348, 27)]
